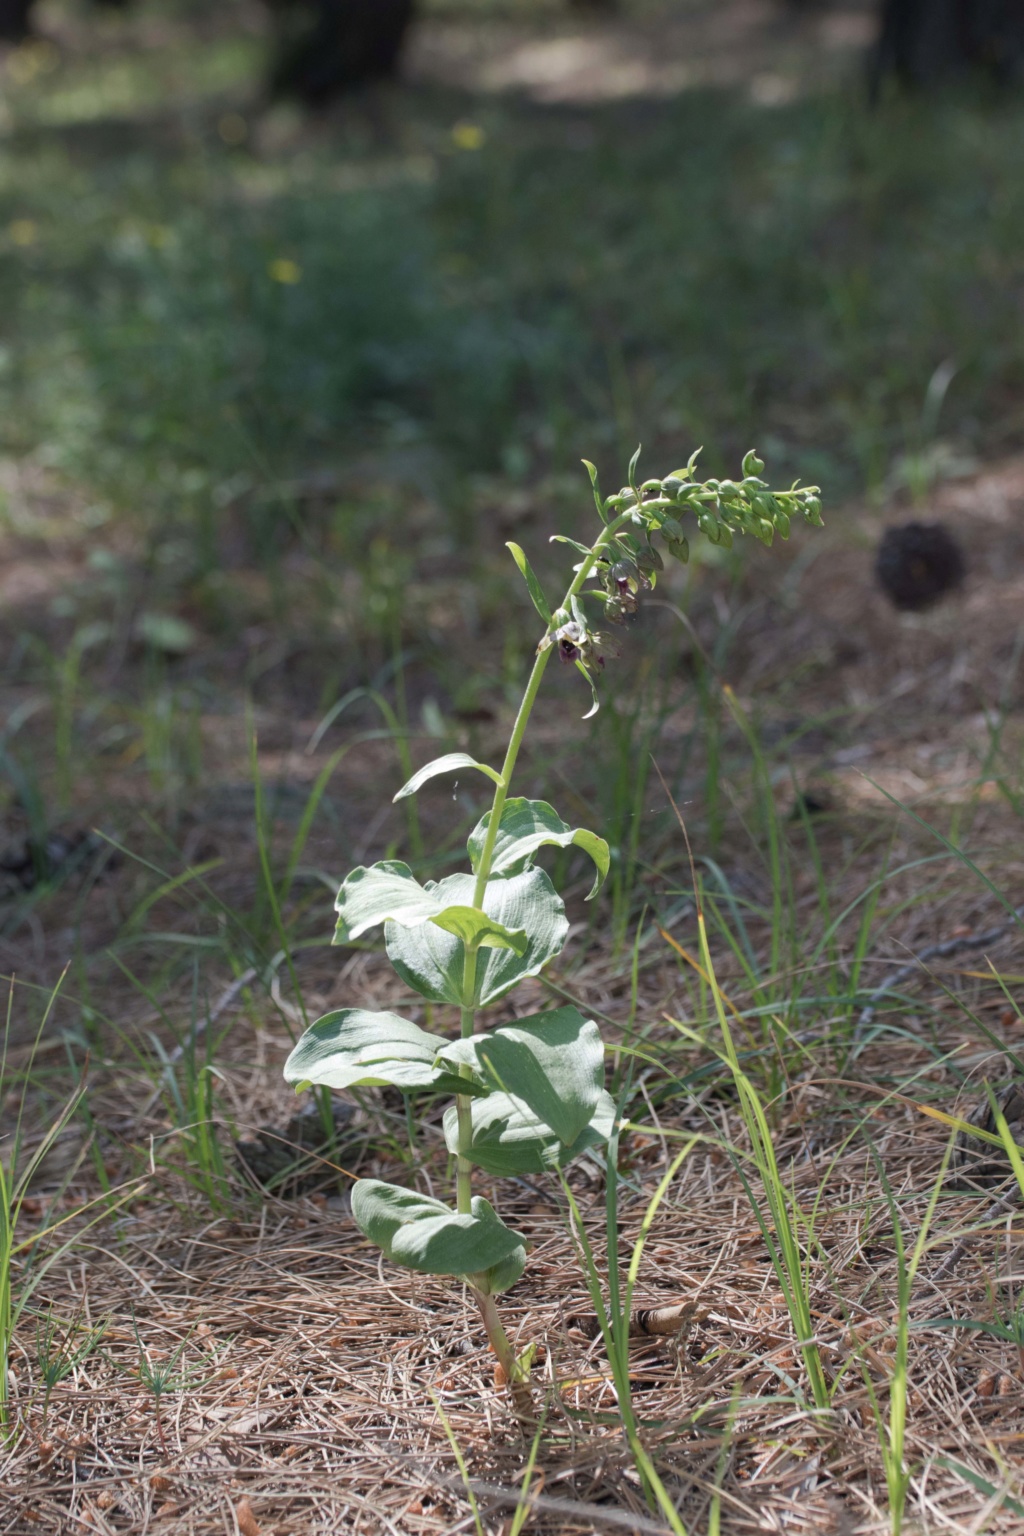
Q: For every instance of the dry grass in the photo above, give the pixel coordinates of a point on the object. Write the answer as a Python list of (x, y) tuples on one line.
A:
[(308, 1379), (307, 1366)]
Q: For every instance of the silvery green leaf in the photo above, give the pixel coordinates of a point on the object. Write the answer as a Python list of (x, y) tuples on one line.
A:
[(354, 1047), (425, 1235), (527, 826), (508, 1139), (432, 961), (450, 763), (390, 892), (552, 1062), (371, 896)]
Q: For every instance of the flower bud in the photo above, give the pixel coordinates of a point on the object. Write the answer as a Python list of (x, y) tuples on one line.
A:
[(781, 521), (752, 465), (679, 547), (673, 485), (812, 511)]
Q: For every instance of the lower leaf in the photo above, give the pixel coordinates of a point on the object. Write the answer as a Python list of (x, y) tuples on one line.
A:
[(427, 1236)]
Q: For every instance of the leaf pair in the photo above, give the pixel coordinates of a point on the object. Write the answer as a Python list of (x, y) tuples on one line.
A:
[(518, 928), (427, 928), (537, 1084)]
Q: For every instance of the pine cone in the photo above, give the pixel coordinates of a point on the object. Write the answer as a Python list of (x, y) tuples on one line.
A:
[(917, 564)]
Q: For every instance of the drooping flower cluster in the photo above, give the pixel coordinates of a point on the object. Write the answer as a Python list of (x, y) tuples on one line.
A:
[(629, 562)]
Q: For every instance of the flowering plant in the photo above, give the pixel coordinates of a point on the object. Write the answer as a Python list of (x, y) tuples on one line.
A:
[(529, 1095)]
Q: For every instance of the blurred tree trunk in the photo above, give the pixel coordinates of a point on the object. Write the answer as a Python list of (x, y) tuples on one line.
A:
[(14, 23), (337, 45), (921, 41)]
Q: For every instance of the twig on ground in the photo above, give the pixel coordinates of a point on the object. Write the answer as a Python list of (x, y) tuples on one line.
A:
[(956, 1253), (940, 951)]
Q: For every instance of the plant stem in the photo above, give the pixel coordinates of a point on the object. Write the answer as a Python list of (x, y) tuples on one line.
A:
[(526, 709), (516, 1377), (517, 1380)]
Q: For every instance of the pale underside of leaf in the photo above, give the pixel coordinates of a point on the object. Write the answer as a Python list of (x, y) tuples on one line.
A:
[(527, 826), (452, 762), (354, 1047)]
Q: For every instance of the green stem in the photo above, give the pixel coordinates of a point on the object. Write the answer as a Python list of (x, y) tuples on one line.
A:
[(464, 1170), (526, 709), (497, 1337)]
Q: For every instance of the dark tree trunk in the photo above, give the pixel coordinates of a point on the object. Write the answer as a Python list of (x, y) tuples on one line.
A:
[(339, 45), (14, 20), (922, 41)]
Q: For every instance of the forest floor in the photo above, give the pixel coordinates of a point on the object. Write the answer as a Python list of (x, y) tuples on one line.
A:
[(201, 1353)]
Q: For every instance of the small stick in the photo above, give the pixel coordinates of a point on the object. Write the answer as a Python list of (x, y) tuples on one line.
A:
[(933, 952), (956, 1253)]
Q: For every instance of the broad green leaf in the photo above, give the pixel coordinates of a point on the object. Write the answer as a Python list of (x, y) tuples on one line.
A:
[(536, 591), (432, 961), (355, 1047), (371, 896), (425, 1235), (552, 1062), (508, 1139), (447, 764), (503, 1275), (527, 826), (475, 927), (390, 892)]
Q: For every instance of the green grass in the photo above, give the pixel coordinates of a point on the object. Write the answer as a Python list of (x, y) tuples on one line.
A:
[(695, 270)]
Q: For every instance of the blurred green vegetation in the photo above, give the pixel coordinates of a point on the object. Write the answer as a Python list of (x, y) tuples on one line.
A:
[(199, 296)]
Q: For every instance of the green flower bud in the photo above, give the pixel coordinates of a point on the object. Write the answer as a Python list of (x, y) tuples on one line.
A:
[(649, 560), (673, 486), (812, 511), (752, 465), (678, 547), (671, 529)]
